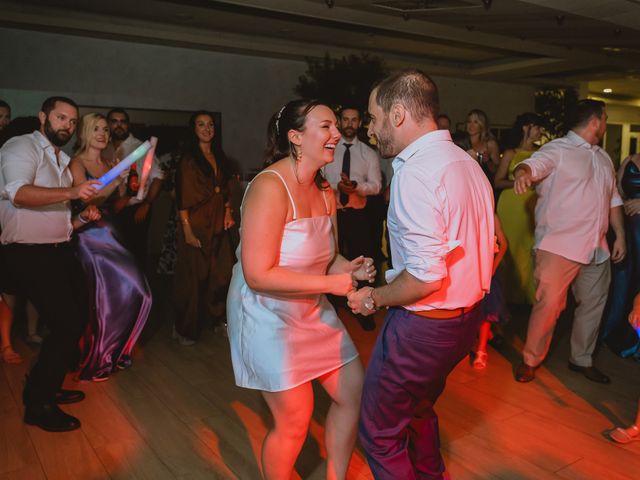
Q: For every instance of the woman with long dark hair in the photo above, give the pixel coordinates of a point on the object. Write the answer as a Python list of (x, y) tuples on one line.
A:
[(283, 331), (204, 257), (516, 211)]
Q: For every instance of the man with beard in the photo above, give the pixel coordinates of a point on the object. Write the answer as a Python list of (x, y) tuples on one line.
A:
[(441, 228), (353, 175), (133, 216), (577, 202), (39, 259)]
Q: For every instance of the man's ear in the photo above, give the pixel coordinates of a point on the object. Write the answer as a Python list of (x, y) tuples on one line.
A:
[(43, 117), (397, 114)]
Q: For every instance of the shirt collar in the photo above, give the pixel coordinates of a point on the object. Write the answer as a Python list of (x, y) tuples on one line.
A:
[(352, 142), (45, 143), (578, 141), (420, 143)]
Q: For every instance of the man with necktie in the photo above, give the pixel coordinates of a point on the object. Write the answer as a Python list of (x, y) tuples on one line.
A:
[(354, 175)]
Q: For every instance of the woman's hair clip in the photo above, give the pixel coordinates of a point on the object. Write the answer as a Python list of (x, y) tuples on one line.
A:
[(278, 119)]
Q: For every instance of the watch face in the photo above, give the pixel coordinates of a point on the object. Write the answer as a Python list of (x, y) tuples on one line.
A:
[(368, 304)]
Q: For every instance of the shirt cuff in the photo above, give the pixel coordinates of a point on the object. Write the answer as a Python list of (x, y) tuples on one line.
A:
[(10, 189)]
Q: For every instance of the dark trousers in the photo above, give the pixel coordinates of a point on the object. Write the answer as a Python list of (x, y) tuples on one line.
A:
[(355, 236), (406, 374), (135, 234), (51, 277)]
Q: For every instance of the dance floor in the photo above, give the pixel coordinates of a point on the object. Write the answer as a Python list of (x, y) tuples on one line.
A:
[(177, 414)]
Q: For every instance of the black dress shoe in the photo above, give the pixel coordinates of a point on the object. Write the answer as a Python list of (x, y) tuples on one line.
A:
[(49, 417), (592, 373), (525, 373), (64, 397)]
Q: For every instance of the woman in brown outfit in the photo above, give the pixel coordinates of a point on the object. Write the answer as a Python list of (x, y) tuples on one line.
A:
[(204, 258)]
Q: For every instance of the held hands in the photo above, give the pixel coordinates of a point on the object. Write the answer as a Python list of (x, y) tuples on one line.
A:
[(363, 269), (356, 300), (341, 284), (85, 191)]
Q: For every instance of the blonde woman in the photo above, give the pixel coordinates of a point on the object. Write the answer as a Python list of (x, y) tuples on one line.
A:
[(121, 298), (484, 147)]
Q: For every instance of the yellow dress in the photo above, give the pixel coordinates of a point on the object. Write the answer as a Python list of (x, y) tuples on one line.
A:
[(516, 212)]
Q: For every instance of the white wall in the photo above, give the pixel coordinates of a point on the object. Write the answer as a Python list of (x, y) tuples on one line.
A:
[(245, 89)]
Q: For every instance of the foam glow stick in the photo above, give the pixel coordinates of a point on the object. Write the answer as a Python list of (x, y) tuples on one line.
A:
[(115, 172), (146, 167)]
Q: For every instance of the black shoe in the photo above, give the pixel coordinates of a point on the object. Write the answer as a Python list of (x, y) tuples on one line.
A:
[(367, 323), (50, 418), (64, 397), (592, 373), (525, 373)]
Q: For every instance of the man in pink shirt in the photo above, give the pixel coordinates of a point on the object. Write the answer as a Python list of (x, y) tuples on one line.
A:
[(577, 200), (441, 229)]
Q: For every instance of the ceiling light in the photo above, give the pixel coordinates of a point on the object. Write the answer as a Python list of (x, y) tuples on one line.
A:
[(607, 90)]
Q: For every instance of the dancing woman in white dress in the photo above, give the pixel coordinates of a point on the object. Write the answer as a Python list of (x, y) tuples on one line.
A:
[(282, 330)]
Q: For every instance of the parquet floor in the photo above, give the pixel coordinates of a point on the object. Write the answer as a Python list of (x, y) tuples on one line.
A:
[(176, 414)]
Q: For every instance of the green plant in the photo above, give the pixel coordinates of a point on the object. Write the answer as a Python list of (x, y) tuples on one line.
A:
[(554, 104), (341, 81)]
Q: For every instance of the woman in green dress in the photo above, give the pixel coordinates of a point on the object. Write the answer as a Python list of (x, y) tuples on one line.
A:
[(516, 212)]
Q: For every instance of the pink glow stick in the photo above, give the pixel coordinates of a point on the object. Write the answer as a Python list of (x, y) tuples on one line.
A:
[(146, 167)]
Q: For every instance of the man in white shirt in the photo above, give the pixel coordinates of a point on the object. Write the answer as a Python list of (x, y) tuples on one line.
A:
[(38, 259), (577, 200), (353, 175), (133, 216), (442, 239)]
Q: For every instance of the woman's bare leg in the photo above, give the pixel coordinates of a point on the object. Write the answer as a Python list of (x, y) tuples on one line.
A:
[(344, 386), (291, 410)]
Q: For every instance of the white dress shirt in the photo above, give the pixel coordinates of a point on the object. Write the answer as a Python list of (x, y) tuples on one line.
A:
[(576, 191), (31, 160), (364, 169), (440, 222), (126, 147)]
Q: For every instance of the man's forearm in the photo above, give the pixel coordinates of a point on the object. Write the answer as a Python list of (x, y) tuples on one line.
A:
[(405, 289), (616, 219), (32, 196)]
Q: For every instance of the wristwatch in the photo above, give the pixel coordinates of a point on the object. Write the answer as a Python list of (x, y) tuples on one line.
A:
[(369, 303)]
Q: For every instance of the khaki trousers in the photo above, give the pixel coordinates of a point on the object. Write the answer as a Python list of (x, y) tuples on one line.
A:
[(553, 275)]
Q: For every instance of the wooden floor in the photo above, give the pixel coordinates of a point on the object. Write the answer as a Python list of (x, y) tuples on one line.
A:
[(177, 414)]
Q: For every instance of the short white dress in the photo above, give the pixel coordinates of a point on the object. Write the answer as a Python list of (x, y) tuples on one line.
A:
[(277, 342)]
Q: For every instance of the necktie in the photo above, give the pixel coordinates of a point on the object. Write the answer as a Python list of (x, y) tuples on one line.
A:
[(346, 169)]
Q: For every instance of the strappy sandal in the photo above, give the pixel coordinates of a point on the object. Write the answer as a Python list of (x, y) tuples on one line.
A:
[(625, 435), (10, 356), (479, 360)]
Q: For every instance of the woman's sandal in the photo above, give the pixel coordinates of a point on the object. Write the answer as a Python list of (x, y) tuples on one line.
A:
[(625, 435), (480, 360), (10, 356)]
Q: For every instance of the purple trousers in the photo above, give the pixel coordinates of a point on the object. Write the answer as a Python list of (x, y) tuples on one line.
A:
[(406, 374)]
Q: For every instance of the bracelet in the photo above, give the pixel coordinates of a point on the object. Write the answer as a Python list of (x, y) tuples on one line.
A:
[(82, 220)]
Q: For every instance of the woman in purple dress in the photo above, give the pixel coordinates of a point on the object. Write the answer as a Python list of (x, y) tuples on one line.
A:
[(121, 298)]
